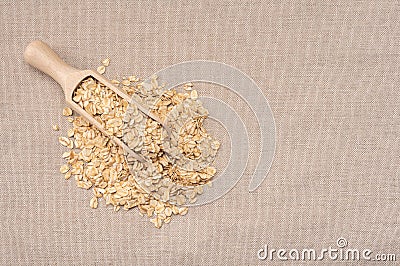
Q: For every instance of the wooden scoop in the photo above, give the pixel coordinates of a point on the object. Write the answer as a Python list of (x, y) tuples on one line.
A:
[(39, 55)]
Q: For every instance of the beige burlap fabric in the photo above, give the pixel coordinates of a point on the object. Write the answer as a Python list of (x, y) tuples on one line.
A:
[(329, 69)]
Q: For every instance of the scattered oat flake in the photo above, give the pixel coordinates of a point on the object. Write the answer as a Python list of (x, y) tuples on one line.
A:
[(188, 86), (106, 62), (67, 111), (56, 127), (126, 82), (64, 168), (183, 211), (70, 132), (64, 141), (101, 69), (68, 175), (193, 95), (132, 78), (94, 203)]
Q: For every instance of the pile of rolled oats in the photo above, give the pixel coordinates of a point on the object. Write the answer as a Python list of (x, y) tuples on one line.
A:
[(158, 189)]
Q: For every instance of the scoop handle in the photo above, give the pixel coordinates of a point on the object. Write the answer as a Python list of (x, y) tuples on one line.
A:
[(39, 55)]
